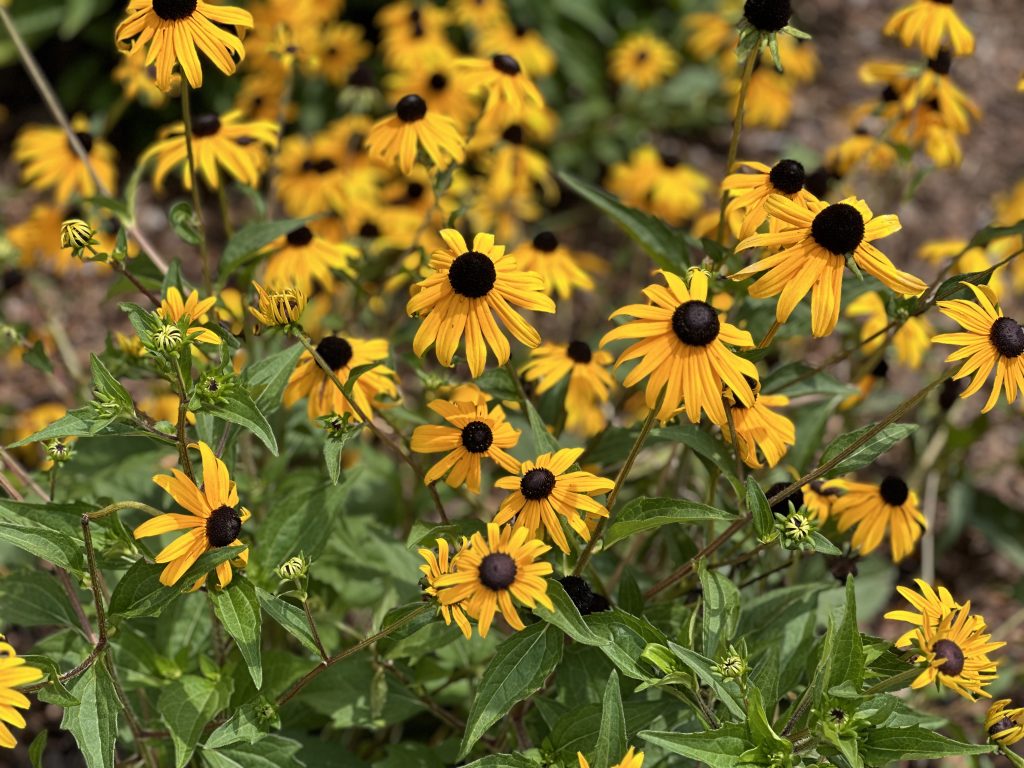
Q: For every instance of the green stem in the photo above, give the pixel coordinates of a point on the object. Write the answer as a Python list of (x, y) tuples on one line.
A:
[(183, 457), (898, 679), (225, 210), (204, 251), (313, 630)]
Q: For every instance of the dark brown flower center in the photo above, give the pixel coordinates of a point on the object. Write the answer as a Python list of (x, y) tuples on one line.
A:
[(174, 10), (893, 491), (301, 236), (369, 229), (787, 176), (222, 526), (537, 484), (497, 571), (782, 507), (881, 370), (1003, 725), (319, 166), (942, 62), (438, 81), (505, 64), (546, 242), (414, 191), (952, 657), (472, 275), (839, 229), (205, 125), (767, 15), (1007, 336), (477, 437), (85, 139), (513, 134), (695, 323), (335, 351), (579, 592), (951, 389), (579, 352), (411, 108)]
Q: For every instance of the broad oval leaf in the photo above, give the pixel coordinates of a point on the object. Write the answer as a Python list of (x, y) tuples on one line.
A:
[(875, 446), (239, 612), (644, 514)]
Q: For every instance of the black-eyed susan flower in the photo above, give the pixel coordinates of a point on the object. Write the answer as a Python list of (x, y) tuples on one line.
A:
[(669, 189), (214, 520), (395, 140), (767, 16), (509, 91), (814, 249), (278, 307), (931, 606), (912, 339), (342, 354), (48, 163), (682, 350), (642, 60), (220, 145), (411, 32), (590, 381), (962, 260), (479, 14), (466, 287), (876, 154), (525, 45), (562, 270), (1004, 724), (475, 433), (171, 30), (13, 673), (311, 175), (136, 80), (759, 427), (631, 759), (769, 102), (989, 341), (440, 84), (545, 491), (819, 496), (929, 24), (955, 652), (193, 310), (876, 510), (708, 34), (490, 572), (434, 567), (301, 259), (342, 48), (750, 191)]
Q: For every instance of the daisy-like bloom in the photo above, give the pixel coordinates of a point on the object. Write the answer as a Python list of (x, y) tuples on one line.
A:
[(525, 45), (928, 24), (708, 34), (13, 672), (590, 381), (1004, 724), (509, 90), (931, 606), (343, 47), (671, 190), (49, 163), (342, 355), (562, 270), (911, 340), (173, 29), (759, 427), (819, 496), (544, 490), (220, 144), (490, 572), (301, 259), (193, 310), (642, 60), (136, 80), (750, 191), (434, 567), (475, 434), (412, 32), (465, 288), (629, 760), (769, 101), (934, 83), (276, 308), (813, 256), (214, 520), (876, 509), (989, 340), (956, 654), (311, 175), (440, 84), (479, 14), (877, 155), (396, 139)]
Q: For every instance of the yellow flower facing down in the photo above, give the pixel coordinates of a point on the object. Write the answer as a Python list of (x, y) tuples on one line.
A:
[(989, 341), (510, 93), (434, 567), (174, 29), (813, 257), (629, 760), (642, 60), (214, 520), (955, 653), (13, 672), (876, 154), (174, 309), (525, 45), (278, 307), (395, 140), (912, 339), (544, 491), (490, 572), (440, 84), (758, 427), (928, 24), (301, 260), (682, 350), (48, 163), (931, 606), (458, 300), (750, 191), (562, 270), (590, 381), (889, 507), (475, 433), (669, 189), (819, 496), (1004, 724)]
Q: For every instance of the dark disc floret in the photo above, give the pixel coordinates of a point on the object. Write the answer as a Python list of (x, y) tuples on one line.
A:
[(369, 229), (85, 139), (477, 437), (767, 15), (301, 236), (950, 392), (537, 484), (788, 176), (893, 491), (952, 656), (414, 191), (579, 592), (889, 94), (546, 242), (205, 125), (942, 62), (411, 108), (881, 370), (817, 182), (438, 81), (1003, 725), (579, 352), (1007, 336), (782, 507), (506, 64), (497, 571), (335, 351), (319, 166), (839, 229), (222, 526), (362, 77), (174, 10), (472, 275), (513, 134), (695, 323)]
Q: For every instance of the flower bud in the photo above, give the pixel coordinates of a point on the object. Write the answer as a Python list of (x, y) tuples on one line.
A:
[(278, 307), (76, 234)]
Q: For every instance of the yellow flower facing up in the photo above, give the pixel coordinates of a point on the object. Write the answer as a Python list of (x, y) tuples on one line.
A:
[(562, 270), (912, 339), (395, 140), (475, 433), (642, 60), (458, 300), (490, 572), (930, 606), (876, 510), (682, 350), (48, 163), (440, 84), (929, 24), (510, 93), (750, 191), (214, 520), (590, 381), (814, 245), (342, 355), (278, 307), (545, 491), (433, 568), (989, 341), (631, 759), (173, 29), (769, 101), (955, 653), (759, 427), (1004, 724), (13, 672), (301, 260), (173, 309)]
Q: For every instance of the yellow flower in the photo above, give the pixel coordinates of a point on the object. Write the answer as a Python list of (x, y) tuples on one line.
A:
[(976, 259), (510, 93), (433, 569), (912, 339), (13, 672), (932, 606), (282, 307), (173, 29), (927, 24), (769, 101), (590, 382), (629, 760), (213, 521), (544, 490), (475, 433), (490, 572), (343, 47), (877, 509), (396, 139), (955, 652), (815, 245), (819, 496), (682, 350), (440, 84), (708, 34), (49, 163), (750, 192), (300, 259), (878, 155), (136, 80), (760, 427), (525, 45), (1004, 724), (75, 234), (670, 190), (173, 309), (412, 32), (562, 270), (642, 60)]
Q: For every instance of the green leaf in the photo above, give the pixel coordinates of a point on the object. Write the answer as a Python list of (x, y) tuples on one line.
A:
[(643, 514), (272, 751), (290, 618), (566, 616), (496, 382), (81, 422), (247, 242), (626, 638), (716, 749), (611, 738), (93, 722), (759, 509), (104, 382), (519, 667), (239, 612), (721, 610), (761, 732), (727, 691), (37, 748), (668, 249), (867, 453), (797, 379), (988, 234), (53, 690), (35, 599), (334, 444), (140, 593), (238, 407), (185, 223), (267, 378), (503, 761), (543, 440), (847, 648), (36, 357), (46, 543), (823, 545), (248, 724), (886, 746), (186, 706)]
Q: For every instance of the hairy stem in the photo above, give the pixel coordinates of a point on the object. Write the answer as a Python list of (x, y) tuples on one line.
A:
[(204, 250)]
